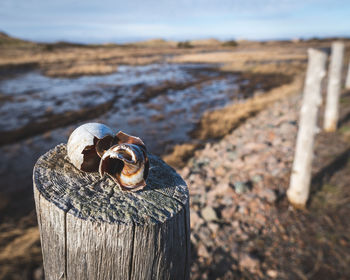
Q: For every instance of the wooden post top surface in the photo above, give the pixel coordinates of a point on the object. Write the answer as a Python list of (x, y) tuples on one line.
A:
[(88, 196)]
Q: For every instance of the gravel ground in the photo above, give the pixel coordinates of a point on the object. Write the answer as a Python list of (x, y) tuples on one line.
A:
[(234, 185), (242, 226)]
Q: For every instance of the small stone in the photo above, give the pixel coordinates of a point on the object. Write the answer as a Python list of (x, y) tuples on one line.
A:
[(202, 251), (254, 146), (249, 262), (185, 172), (227, 213), (205, 236), (269, 195), (242, 235), (232, 155), (240, 187), (260, 218), (213, 227), (220, 171), (243, 210), (38, 273), (209, 214), (235, 224), (194, 240), (196, 221), (272, 273), (257, 178), (227, 200), (222, 188), (254, 204)]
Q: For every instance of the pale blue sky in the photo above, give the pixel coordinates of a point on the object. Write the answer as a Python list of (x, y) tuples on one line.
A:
[(130, 20)]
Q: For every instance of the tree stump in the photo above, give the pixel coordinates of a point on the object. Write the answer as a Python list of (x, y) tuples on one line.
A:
[(90, 229)]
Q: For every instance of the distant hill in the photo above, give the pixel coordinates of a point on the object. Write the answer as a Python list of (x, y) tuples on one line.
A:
[(205, 42), (165, 43), (6, 40), (155, 43)]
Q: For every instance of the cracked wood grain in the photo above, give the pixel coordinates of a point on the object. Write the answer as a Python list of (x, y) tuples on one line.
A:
[(90, 229)]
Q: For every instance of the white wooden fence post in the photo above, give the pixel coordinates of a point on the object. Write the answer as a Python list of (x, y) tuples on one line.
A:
[(347, 82), (298, 191), (334, 87)]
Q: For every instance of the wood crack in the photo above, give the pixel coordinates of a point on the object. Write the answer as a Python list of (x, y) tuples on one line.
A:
[(188, 245), (65, 244), (65, 247), (132, 251)]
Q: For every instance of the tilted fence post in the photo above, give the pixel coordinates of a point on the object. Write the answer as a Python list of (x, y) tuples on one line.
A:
[(298, 191)]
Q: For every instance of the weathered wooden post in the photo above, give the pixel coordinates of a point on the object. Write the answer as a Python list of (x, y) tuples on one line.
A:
[(334, 87), (298, 191), (90, 229), (347, 81)]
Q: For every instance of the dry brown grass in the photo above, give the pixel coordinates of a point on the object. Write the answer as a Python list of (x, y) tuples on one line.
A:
[(123, 54), (74, 55), (290, 68), (21, 252), (247, 56), (21, 243), (270, 60), (73, 61), (180, 154), (218, 123), (241, 56)]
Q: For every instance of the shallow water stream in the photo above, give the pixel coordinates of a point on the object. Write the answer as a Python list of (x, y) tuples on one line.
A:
[(159, 103)]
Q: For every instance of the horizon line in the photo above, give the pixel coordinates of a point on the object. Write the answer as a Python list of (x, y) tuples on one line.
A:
[(131, 40)]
